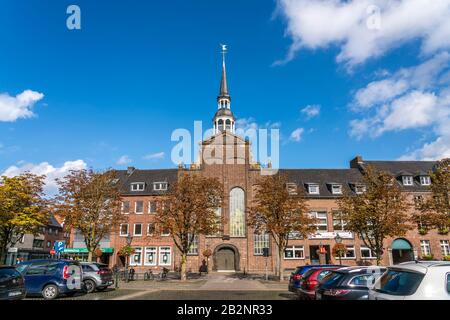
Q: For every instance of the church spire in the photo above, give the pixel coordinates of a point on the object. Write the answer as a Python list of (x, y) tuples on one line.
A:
[(224, 118)]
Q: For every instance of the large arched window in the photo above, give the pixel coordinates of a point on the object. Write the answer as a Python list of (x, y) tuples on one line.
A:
[(237, 212)]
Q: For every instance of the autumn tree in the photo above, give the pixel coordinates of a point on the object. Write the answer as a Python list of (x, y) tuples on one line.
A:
[(89, 202), (280, 213), (436, 207), (190, 211), (378, 213), (23, 209)]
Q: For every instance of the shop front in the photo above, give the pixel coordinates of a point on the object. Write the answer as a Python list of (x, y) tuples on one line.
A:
[(81, 254)]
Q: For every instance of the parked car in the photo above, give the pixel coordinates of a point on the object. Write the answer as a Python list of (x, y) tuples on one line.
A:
[(12, 284), (351, 283), (49, 278), (310, 281), (414, 280), (296, 276), (96, 276)]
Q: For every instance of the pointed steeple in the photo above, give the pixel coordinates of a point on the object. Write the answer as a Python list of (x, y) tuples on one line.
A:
[(224, 118), (223, 82)]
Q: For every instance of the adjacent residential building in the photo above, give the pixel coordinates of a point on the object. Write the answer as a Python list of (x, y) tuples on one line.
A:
[(237, 247)]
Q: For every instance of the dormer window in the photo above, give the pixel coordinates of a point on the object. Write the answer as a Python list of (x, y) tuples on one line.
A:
[(137, 186), (360, 188), (160, 186), (425, 180), (336, 189), (407, 180), (291, 188), (313, 188)]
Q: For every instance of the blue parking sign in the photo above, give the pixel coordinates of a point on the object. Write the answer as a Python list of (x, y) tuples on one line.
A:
[(59, 246)]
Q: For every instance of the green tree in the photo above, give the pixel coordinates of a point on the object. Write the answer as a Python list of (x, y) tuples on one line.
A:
[(23, 209), (89, 202), (378, 213)]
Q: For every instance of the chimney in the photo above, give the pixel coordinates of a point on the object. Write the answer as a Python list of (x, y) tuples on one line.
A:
[(130, 170), (356, 162)]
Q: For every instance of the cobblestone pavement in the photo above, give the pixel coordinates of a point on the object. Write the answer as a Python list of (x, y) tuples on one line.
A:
[(217, 295)]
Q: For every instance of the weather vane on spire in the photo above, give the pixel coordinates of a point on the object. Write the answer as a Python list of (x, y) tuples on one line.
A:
[(224, 51)]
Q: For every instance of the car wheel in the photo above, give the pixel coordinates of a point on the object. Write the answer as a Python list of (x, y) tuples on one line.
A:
[(89, 286), (50, 292)]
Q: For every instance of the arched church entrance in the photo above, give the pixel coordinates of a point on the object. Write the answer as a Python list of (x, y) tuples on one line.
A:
[(226, 258)]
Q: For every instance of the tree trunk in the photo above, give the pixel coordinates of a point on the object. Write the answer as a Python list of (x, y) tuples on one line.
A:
[(183, 267), (280, 264), (90, 255)]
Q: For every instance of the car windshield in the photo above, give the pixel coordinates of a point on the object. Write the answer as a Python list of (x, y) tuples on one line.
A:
[(7, 273), (399, 282), (332, 279), (21, 267)]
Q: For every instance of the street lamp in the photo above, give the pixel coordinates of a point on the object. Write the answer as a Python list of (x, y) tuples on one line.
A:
[(338, 240), (129, 239)]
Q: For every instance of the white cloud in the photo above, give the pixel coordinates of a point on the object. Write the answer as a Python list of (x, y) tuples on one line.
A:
[(296, 135), (311, 111), (346, 24), (13, 108), (44, 168), (154, 156), (124, 160)]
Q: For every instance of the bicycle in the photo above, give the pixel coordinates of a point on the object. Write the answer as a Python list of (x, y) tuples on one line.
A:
[(149, 275)]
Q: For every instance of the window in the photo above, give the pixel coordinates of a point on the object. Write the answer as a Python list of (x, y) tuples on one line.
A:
[(56, 231), (136, 257), (366, 253), (38, 243), (418, 201), (291, 188), (165, 256), (152, 207), (261, 241), (165, 232), (313, 189), (448, 282), (321, 217), (336, 189), (150, 229), (338, 221), (445, 248), (137, 229), (123, 230), (360, 188), (407, 180), (160, 186), (425, 247), (126, 207), (237, 213), (137, 186), (22, 239), (425, 180), (50, 230), (139, 207), (399, 283), (150, 256), (37, 269), (193, 249), (349, 254), (294, 252), (364, 280)]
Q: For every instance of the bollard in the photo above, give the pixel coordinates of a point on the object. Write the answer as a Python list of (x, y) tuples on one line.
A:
[(117, 280)]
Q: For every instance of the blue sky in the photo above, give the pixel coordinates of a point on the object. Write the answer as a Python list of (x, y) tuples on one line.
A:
[(137, 70)]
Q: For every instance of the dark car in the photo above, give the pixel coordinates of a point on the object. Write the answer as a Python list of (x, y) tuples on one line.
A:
[(50, 278), (12, 284), (351, 283), (311, 280), (96, 276), (296, 276)]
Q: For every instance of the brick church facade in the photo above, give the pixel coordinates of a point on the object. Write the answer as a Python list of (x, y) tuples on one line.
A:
[(236, 247)]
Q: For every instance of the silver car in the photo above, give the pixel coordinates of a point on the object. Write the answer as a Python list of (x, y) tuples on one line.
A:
[(414, 280), (96, 276)]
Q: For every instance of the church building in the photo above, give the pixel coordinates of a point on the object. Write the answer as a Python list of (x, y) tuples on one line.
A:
[(237, 247)]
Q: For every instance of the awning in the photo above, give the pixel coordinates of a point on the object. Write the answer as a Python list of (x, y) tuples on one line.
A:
[(401, 244), (84, 250)]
